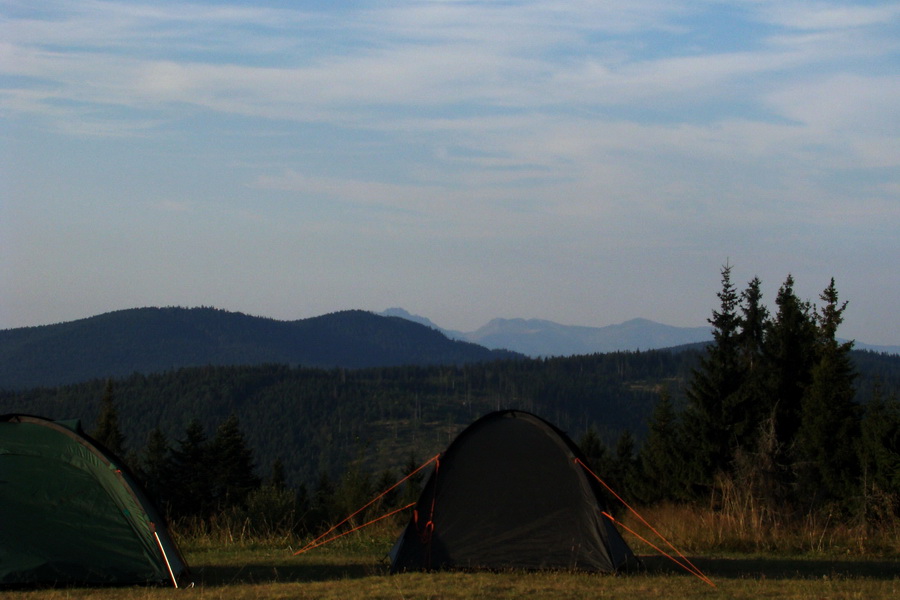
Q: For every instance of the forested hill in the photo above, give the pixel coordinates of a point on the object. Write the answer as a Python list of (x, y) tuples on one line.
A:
[(151, 340), (320, 420)]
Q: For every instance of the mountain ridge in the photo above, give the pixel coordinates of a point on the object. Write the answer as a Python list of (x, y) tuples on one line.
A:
[(538, 338), (151, 339), (543, 338)]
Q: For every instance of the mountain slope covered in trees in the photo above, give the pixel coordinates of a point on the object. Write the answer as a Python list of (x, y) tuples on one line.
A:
[(149, 340), (320, 420)]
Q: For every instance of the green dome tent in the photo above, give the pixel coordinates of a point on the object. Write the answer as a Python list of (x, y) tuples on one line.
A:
[(73, 515), (508, 493)]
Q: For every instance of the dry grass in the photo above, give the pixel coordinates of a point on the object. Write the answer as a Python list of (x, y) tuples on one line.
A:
[(706, 531), (347, 572), (744, 556)]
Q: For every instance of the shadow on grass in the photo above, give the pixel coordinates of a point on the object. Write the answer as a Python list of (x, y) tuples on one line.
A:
[(287, 570), (778, 568), (281, 572)]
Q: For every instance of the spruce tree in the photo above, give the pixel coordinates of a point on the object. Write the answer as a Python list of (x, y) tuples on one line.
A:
[(624, 466), (660, 460), (191, 474), (154, 466), (107, 431), (595, 451), (826, 449), (749, 404), (790, 347), (233, 468), (709, 416)]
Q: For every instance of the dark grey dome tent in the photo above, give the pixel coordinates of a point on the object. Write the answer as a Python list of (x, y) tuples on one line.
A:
[(72, 514), (508, 493)]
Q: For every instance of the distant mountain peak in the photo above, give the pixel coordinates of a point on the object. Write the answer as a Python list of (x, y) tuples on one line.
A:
[(540, 337)]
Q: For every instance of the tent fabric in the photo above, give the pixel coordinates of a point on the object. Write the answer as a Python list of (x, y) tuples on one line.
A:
[(72, 514), (507, 493)]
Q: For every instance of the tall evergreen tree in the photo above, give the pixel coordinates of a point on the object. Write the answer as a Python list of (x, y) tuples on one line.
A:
[(624, 466), (191, 474), (661, 459), (790, 346), (827, 438), (748, 403), (233, 468), (594, 450), (107, 431), (154, 466), (754, 316), (709, 417)]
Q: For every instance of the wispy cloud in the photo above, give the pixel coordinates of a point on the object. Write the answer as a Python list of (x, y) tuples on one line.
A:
[(589, 125), (524, 56)]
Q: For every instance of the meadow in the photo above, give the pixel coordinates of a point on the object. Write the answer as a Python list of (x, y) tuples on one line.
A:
[(808, 560)]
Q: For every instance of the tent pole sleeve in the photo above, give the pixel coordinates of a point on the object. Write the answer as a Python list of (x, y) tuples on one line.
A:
[(165, 558)]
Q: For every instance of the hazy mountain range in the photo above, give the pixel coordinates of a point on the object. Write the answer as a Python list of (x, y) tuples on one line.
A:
[(150, 340), (537, 337)]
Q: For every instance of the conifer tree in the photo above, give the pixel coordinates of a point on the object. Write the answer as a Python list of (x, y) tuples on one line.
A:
[(191, 474), (750, 400), (660, 459), (754, 316), (107, 431), (594, 450), (790, 346), (827, 438), (232, 463), (624, 466), (154, 466), (708, 419)]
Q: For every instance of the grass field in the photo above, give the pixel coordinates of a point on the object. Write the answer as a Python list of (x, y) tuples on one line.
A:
[(743, 557), (356, 570)]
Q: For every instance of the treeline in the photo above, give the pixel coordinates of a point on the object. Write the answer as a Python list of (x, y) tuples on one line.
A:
[(771, 419), (317, 420), (211, 483)]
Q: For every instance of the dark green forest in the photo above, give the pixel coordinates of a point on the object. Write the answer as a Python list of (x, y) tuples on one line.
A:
[(318, 420)]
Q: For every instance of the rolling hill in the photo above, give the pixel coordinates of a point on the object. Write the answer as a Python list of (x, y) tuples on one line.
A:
[(150, 340)]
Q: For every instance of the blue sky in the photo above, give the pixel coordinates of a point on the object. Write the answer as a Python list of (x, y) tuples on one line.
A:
[(585, 162)]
